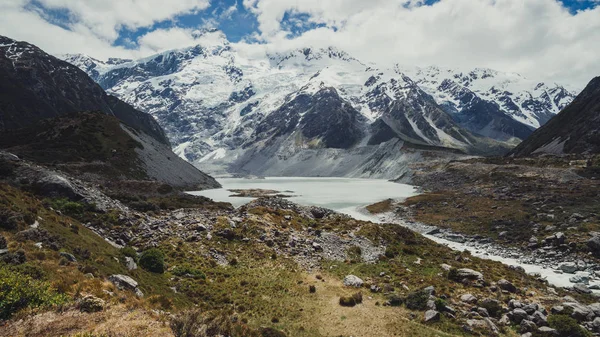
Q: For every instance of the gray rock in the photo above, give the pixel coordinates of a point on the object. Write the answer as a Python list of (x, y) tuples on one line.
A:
[(596, 324), (539, 319), (547, 332), (123, 282), (69, 257), (594, 244), (580, 312), (582, 288), (527, 326), (429, 290), (353, 281), (468, 298), (432, 316), (581, 278), (595, 307), (557, 309), (504, 320), (568, 267), (506, 285), (130, 263), (446, 267), (519, 315), (483, 324), (513, 304), (470, 274), (483, 312)]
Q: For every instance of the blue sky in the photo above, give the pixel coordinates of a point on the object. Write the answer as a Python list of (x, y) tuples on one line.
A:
[(546, 39)]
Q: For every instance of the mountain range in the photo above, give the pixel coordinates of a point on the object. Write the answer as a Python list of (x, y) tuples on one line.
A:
[(321, 111)]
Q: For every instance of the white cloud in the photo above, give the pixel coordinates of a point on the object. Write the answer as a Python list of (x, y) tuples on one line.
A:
[(105, 17), (93, 25), (538, 38)]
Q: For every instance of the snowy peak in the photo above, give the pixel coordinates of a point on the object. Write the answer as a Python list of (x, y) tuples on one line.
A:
[(215, 101), (528, 102)]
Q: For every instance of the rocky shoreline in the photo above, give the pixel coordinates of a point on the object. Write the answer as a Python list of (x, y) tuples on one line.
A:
[(584, 273)]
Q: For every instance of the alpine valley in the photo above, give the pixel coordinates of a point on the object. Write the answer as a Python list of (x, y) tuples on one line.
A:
[(322, 112), (487, 221)]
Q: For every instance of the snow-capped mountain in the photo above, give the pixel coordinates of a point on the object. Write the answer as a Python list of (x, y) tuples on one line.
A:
[(226, 109)]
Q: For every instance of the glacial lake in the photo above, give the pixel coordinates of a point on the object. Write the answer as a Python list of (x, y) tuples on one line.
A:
[(345, 195)]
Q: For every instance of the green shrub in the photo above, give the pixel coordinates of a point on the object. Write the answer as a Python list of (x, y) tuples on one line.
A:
[(417, 300), (19, 291), (567, 326), (129, 252), (68, 207), (188, 271), (153, 260), (453, 274), (392, 251), (493, 307), (440, 304)]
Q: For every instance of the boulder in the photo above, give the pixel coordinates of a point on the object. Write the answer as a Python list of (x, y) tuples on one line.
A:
[(547, 332), (468, 298), (582, 278), (429, 290), (527, 326), (594, 245), (69, 257), (469, 274), (506, 285), (484, 324), (130, 263), (519, 315), (123, 282), (539, 319), (568, 267), (353, 281), (432, 316), (582, 288), (580, 312)]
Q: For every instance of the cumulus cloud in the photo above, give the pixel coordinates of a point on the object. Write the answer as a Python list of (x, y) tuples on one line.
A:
[(540, 39), (91, 26)]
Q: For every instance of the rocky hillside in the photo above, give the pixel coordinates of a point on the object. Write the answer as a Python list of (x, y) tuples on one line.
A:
[(42, 105), (96, 267), (211, 99), (575, 130), (35, 85)]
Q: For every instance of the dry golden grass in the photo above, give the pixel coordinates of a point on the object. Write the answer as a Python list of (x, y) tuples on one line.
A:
[(116, 321)]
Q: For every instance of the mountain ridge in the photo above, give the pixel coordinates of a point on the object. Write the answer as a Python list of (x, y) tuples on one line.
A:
[(53, 113), (211, 97)]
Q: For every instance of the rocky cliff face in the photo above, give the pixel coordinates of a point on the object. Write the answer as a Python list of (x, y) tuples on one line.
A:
[(575, 130)]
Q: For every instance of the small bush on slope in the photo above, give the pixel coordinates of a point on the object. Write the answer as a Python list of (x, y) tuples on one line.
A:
[(567, 326), (153, 260), (19, 291)]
